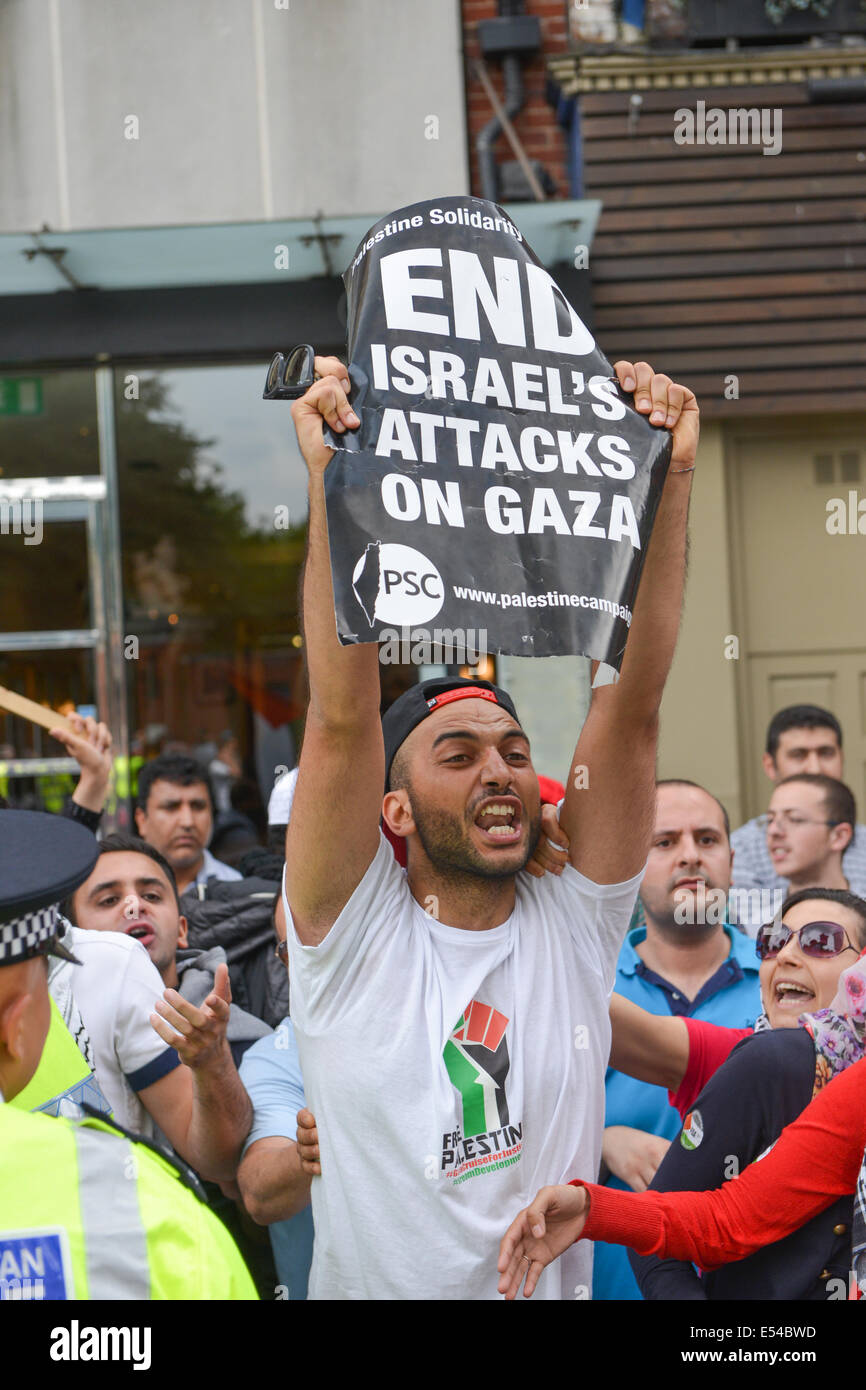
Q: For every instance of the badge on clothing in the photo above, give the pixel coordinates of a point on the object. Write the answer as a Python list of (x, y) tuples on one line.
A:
[(693, 1130), (34, 1265)]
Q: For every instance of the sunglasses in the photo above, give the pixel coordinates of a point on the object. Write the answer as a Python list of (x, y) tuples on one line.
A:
[(820, 939), (290, 374)]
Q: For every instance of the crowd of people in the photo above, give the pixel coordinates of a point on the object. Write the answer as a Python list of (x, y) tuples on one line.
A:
[(457, 1030)]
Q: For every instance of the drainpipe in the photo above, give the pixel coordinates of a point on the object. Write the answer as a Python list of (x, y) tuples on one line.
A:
[(511, 36)]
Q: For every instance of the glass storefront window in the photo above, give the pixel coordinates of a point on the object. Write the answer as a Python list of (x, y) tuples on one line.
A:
[(45, 585), (61, 680), (48, 424), (212, 494)]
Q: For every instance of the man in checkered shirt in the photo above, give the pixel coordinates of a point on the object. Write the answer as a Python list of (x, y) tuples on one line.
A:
[(800, 738)]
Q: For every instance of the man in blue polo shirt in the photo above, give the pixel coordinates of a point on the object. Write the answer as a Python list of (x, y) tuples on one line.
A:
[(686, 960)]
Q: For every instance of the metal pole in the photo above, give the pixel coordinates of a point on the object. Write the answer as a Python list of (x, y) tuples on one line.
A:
[(116, 715)]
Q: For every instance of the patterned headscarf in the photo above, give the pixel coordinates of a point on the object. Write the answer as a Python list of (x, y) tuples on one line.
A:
[(839, 1032), (839, 1035)]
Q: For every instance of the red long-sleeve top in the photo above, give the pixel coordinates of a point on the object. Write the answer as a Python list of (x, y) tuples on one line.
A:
[(815, 1160)]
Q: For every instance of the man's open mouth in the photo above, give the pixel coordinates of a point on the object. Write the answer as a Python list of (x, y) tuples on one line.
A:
[(141, 931), (500, 820)]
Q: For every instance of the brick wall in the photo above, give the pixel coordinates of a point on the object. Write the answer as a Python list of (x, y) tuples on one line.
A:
[(536, 124)]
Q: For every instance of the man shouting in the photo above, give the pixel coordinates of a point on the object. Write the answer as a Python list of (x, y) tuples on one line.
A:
[(452, 1019)]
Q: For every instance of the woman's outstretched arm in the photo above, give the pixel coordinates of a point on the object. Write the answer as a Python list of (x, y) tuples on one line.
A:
[(814, 1161)]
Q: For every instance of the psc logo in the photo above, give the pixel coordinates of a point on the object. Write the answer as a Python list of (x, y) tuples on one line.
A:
[(396, 584)]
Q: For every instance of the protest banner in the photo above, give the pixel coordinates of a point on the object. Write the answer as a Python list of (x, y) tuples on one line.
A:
[(500, 480)]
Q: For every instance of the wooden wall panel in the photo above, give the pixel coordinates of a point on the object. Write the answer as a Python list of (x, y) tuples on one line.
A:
[(716, 260)]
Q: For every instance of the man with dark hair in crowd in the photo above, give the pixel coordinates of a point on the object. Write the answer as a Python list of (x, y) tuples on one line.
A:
[(132, 890), (454, 1055), (175, 813), (809, 826), (687, 961), (800, 738), (184, 1081)]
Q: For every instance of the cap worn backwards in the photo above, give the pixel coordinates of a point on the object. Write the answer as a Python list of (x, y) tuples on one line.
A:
[(422, 700)]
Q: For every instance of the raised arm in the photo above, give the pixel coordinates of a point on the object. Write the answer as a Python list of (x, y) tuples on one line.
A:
[(333, 833), (814, 1161), (90, 745), (609, 808), (649, 1047)]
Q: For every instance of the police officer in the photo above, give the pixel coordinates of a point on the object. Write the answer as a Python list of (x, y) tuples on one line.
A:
[(85, 1211)]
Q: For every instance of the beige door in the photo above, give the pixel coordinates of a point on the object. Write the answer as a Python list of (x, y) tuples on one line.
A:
[(799, 591)]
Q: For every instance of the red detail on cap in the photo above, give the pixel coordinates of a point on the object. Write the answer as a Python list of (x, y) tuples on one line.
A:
[(551, 791), (463, 692)]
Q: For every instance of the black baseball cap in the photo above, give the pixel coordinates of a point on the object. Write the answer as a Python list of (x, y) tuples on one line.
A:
[(43, 859), (422, 700)]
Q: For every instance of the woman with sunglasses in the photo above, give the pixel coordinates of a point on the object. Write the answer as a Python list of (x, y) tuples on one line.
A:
[(682, 1054), (764, 1085), (817, 1159)]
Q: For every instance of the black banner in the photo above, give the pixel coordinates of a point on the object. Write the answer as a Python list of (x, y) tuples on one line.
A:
[(500, 482)]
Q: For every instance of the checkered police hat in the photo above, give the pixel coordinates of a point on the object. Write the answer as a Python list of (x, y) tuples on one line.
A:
[(42, 860)]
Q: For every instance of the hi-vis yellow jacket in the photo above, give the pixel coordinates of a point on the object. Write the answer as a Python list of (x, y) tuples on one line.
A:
[(87, 1213)]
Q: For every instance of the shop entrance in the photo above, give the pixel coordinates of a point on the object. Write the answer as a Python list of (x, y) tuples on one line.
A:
[(60, 643)]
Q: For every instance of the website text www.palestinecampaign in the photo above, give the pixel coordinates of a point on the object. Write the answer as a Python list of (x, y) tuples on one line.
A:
[(548, 600)]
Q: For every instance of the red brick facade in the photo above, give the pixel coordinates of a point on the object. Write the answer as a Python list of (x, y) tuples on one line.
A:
[(536, 124)]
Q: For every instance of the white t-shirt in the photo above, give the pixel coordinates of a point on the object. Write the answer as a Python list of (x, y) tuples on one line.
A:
[(115, 988), (452, 1073)]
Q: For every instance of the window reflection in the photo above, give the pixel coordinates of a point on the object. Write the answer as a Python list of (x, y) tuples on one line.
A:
[(46, 585), (63, 681), (212, 495), (48, 425)]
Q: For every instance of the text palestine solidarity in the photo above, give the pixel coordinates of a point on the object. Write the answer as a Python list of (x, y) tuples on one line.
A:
[(452, 217), (412, 436)]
